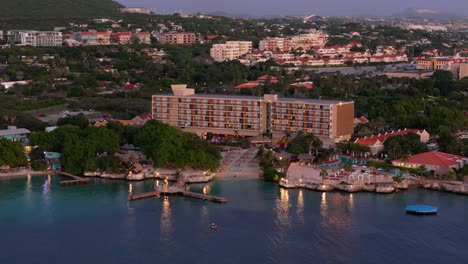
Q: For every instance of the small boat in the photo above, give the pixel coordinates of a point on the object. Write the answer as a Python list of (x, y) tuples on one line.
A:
[(213, 226), (421, 209)]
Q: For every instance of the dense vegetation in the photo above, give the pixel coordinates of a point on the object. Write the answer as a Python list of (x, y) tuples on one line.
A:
[(167, 146), (267, 163), (83, 149), (92, 148), (10, 115), (11, 154), (47, 9), (304, 143), (403, 146)]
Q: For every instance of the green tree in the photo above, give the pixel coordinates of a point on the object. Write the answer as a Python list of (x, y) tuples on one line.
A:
[(11, 154), (78, 120)]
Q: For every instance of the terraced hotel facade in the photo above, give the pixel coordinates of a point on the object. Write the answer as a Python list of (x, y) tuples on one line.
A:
[(332, 121)]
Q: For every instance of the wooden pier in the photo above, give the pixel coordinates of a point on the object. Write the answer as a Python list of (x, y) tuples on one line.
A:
[(176, 190), (204, 197), (76, 179), (139, 196)]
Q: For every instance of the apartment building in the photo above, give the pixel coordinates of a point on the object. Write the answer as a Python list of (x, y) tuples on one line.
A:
[(86, 38), (230, 50), (184, 38), (332, 121), (103, 38), (122, 37), (308, 41), (144, 37), (275, 44), (438, 63), (35, 38), (460, 70)]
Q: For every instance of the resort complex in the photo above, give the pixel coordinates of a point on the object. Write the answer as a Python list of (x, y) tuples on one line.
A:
[(331, 121)]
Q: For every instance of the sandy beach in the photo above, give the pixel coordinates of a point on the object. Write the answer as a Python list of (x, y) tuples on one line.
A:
[(239, 164)]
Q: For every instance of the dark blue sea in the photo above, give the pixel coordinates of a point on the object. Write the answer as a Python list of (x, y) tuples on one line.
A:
[(43, 222)]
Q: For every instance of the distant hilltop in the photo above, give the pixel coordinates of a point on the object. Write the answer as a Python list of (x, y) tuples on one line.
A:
[(426, 11), (51, 9)]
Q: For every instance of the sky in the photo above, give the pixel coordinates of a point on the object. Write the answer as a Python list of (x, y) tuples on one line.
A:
[(301, 7)]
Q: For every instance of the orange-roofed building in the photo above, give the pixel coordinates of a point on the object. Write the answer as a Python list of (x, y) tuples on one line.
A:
[(101, 123), (438, 162), (264, 78), (307, 85), (248, 85)]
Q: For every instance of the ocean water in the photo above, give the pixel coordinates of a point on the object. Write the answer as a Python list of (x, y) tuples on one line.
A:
[(43, 222)]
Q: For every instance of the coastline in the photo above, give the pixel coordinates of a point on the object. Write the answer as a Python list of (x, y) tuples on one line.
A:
[(451, 187), (22, 174)]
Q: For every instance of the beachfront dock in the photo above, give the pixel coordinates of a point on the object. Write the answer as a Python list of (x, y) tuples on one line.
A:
[(76, 179), (176, 191), (206, 197), (139, 196)]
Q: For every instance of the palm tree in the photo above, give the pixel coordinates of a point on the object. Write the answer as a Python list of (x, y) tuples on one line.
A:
[(287, 134), (323, 174), (315, 143)]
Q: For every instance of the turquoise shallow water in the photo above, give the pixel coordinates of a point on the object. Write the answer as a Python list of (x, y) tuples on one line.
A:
[(43, 222)]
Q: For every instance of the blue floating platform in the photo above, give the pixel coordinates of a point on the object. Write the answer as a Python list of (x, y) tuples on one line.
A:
[(421, 209)]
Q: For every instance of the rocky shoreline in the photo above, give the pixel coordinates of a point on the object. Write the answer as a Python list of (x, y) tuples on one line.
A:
[(385, 188)]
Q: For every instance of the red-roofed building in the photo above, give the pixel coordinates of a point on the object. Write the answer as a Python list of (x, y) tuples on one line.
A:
[(122, 37), (141, 119), (438, 162), (376, 142), (132, 86), (360, 120)]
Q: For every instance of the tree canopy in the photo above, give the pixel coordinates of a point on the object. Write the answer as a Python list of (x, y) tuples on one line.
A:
[(82, 149), (403, 146), (304, 143), (12, 154), (167, 146)]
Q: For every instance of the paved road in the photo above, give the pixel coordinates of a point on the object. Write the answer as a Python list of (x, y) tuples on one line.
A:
[(52, 119)]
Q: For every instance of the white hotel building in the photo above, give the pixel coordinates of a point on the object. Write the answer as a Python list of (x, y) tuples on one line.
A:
[(230, 50)]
